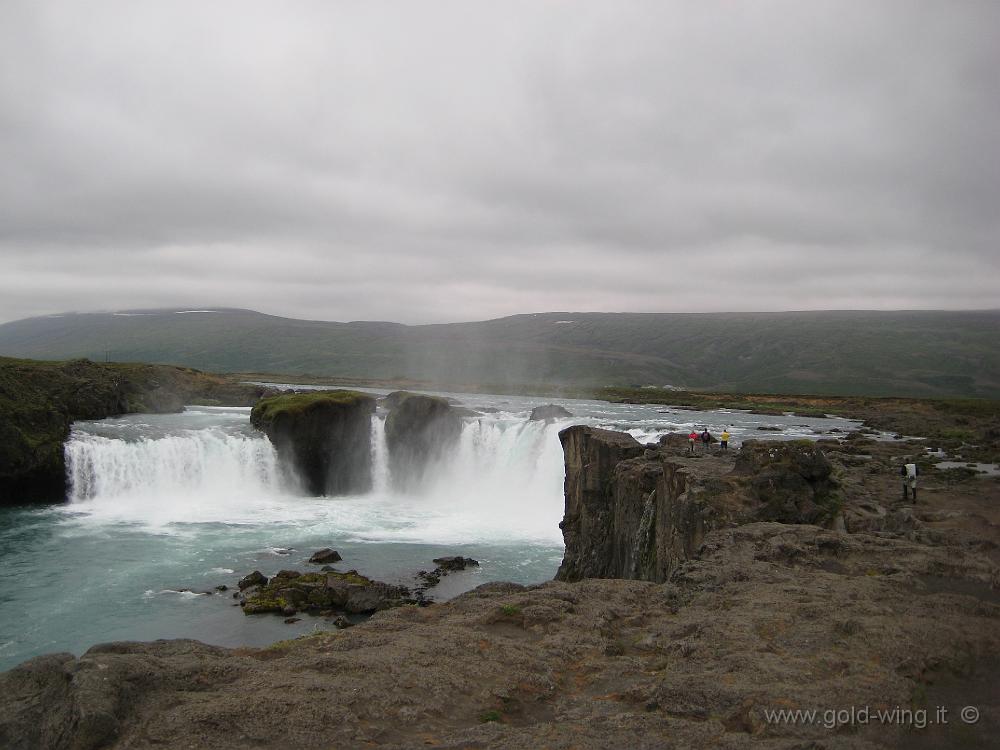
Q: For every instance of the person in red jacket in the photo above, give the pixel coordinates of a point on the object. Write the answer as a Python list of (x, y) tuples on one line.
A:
[(692, 439)]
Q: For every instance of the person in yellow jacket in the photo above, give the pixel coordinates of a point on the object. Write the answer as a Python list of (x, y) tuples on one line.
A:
[(724, 440)]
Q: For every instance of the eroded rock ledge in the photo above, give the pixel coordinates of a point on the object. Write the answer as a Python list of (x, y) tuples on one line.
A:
[(635, 511), (325, 436)]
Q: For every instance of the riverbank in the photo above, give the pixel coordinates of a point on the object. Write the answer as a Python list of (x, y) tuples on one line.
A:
[(967, 426), (898, 610), (39, 401)]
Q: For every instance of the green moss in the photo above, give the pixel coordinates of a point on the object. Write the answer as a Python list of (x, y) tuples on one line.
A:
[(312, 594), (260, 604), (489, 716), (351, 576), (294, 404), (510, 610)]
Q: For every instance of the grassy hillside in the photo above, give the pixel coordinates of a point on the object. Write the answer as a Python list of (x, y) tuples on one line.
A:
[(926, 353)]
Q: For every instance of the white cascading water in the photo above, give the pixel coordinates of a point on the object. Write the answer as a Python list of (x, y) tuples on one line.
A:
[(202, 475), (501, 482), (380, 457)]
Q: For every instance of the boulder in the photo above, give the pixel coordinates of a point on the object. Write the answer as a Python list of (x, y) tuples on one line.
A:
[(325, 555), (254, 579), (290, 592), (456, 562), (548, 413), (362, 599), (418, 432), (323, 436)]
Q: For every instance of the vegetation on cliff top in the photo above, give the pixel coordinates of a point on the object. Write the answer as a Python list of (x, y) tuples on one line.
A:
[(296, 404), (39, 401)]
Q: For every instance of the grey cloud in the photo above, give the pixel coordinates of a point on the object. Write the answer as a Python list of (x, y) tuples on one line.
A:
[(460, 160)]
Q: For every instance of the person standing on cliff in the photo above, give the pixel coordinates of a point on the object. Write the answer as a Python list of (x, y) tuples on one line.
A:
[(692, 438), (706, 438), (724, 440), (909, 472)]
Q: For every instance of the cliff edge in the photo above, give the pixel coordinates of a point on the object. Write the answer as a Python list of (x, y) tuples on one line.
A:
[(638, 511), (39, 401)]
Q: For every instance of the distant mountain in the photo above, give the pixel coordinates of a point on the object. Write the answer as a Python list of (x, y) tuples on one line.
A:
[(913, 353)]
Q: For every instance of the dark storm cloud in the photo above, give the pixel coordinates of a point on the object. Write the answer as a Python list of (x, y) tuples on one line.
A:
[(461, 160)]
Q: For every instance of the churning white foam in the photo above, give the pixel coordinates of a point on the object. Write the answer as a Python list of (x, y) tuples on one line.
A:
[(500, 483), (201, 475)]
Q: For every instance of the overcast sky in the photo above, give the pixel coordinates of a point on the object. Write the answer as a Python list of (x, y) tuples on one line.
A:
[(440, 161)]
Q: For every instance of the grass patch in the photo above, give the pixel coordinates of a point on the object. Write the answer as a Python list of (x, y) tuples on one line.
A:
[(294, 404)]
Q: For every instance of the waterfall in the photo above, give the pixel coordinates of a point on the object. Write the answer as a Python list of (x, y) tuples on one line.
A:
[(197, 466), (380, 456), (504, 476), (500, 480)]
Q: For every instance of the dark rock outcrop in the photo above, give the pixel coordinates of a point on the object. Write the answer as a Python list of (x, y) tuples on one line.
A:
[(548, 413), (324, 436), (445, 565), (418, 431), (289, 592), (325, 555), (635, 511), (455, 562), (39, 401), (253, 579)]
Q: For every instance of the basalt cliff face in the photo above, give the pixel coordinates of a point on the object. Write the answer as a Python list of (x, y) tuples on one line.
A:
[(635, 511), (39, 401), (324, 436)]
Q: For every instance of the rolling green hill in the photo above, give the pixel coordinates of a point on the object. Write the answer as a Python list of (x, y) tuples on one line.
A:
[(912, 353)]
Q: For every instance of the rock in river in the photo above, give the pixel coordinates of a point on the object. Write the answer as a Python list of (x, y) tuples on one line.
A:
[(324, 436), (325, 555), (418, 431), (548, 413)]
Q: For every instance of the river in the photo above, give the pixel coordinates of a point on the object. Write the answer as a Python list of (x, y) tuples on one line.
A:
[(166, 507)]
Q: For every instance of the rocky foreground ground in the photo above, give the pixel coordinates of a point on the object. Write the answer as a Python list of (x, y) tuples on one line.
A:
[(892, 606)]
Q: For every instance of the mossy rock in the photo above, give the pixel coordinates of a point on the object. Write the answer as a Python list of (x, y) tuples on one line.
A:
[(324, 437), (273, 409), (317, 592)]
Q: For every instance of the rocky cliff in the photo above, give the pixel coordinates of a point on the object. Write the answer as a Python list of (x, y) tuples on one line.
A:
[(637, 511), (39, 401), (419, 430), (324, 436)]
